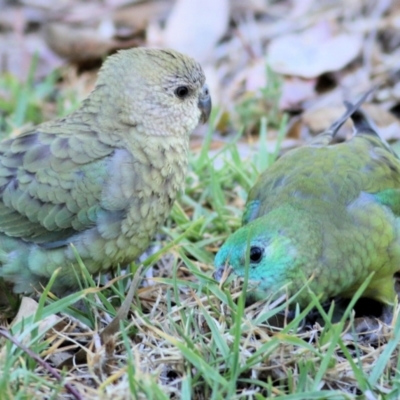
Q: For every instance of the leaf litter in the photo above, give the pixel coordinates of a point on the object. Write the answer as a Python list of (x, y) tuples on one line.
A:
[(263, 59)]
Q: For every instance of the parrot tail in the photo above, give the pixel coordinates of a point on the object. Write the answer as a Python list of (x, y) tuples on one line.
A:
[(324, 138), (365, 126)]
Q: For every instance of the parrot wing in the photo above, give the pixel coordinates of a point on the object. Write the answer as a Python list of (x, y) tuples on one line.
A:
[(270, 183), (389, 197), (51, 184)]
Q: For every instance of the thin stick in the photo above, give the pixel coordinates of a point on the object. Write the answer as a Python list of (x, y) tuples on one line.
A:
[(69, 388)]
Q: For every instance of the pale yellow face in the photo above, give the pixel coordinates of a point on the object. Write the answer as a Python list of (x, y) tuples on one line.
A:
[(161, 92)]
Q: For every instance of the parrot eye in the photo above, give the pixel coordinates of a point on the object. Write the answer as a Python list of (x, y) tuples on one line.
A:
[(182, 91), (256, 254)]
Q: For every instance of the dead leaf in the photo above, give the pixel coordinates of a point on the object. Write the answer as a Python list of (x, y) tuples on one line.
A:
[(195, 26), (387, 123), (255, 75), (240, 6), (295, 90), (29, 307), (313, 52), (137, 15), (81, 43), (318, 120), (367, 330)]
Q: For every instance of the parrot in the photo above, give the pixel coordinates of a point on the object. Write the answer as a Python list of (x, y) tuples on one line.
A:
[(102, 180), (323, 215)]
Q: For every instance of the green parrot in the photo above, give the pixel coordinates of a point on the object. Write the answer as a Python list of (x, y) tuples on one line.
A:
[(326, 214), (105, 177)]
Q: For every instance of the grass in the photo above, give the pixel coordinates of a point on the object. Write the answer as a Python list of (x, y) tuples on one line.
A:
[(186, 336)]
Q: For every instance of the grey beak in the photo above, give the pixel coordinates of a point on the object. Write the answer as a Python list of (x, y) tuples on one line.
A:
[(217, 275), (205, 104)]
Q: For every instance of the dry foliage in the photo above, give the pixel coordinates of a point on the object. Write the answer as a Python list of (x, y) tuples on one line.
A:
[(183, 335)]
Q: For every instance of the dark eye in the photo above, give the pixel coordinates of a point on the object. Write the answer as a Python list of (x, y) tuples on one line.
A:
[(256, 254), (182, 91)]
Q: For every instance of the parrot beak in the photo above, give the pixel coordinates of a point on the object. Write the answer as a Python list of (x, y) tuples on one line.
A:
[(205, 104), (222, 273)]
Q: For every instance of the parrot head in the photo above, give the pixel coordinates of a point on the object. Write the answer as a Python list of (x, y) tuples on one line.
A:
[(159, 92), (266, 255)]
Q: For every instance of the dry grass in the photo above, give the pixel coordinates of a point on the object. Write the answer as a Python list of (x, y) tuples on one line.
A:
[(188, 336)]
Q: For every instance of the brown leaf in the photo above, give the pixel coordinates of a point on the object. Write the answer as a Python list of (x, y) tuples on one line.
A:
[(313, 52), (296, 90), (29, 307), (318, 120), (81, 43), (195, 26), (137, 15), (368, 330)]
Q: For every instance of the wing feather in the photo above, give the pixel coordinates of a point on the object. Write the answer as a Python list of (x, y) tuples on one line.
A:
[(51, 184)]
